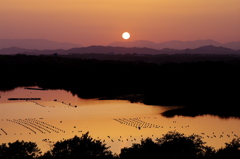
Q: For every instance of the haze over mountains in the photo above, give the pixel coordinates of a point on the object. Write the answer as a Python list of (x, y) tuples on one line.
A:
[(41, 46)]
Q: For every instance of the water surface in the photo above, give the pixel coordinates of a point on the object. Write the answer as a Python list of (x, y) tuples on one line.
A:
[(59, 115)]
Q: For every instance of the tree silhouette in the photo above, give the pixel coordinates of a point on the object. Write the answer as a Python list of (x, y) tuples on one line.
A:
[(84, 147), (230, 151), (147, 149), (19, 150), (172, 145)]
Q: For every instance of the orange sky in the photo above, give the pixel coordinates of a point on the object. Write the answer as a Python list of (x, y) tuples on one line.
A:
[(100, 22)]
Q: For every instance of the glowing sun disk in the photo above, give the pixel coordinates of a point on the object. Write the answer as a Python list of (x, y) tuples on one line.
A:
[(126, 35)]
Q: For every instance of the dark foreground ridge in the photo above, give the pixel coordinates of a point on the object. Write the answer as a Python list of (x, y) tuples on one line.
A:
[(172, 145), (205, 87)]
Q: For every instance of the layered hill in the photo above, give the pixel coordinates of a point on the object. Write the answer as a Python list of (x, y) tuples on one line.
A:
[(120, 50), (177, 44), (40, 44)]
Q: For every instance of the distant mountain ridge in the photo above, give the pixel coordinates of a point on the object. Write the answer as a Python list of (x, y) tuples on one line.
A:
[(40, 44), (43, 44), (176, 44), (210, 49)]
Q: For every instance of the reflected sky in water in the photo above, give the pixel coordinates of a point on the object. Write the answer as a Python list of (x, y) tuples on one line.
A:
[(59, 115)]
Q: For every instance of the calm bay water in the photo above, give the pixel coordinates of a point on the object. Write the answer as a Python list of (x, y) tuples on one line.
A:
[(59, 115)]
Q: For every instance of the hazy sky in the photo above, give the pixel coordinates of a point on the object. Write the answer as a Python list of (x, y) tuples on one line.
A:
[(100, 22)]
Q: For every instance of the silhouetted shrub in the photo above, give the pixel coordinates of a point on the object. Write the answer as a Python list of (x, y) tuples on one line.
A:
[(177, 145), (172, 145), (19, 150), (147, 149), (83, 147), (230, 151)]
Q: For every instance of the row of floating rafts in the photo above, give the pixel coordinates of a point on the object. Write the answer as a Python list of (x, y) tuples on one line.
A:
[(38, 104), (51, 127), (15, 121), (68, 104), (33, 99), (4, 131), (130, 122), (36, 126), (37, 121), (135, 122), (33, 125), (24, 99)]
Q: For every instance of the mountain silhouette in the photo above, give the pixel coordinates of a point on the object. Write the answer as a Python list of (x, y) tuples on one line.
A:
[(113, 50), (210, 49), (235, 45), (15, 50), (177, 44), (40, 44), (43, 44)]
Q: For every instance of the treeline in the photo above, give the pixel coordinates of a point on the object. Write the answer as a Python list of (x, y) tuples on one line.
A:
[(205, 87), (172, 145), (159, 58)]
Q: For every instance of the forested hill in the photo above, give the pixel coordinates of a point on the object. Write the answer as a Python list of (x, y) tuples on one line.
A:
[(159, 59), (200, 85)]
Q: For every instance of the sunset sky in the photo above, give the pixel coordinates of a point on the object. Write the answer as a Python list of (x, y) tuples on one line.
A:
[(100, 22)]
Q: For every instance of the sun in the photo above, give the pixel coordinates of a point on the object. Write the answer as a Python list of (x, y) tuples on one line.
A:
[(126, 35)]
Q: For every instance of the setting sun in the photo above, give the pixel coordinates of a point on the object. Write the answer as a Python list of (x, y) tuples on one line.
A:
[(126, 35)]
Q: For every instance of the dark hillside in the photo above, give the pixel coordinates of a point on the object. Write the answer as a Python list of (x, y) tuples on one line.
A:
[(200, 86)]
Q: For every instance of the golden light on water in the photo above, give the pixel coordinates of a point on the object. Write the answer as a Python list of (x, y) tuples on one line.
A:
[(59, 115)]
